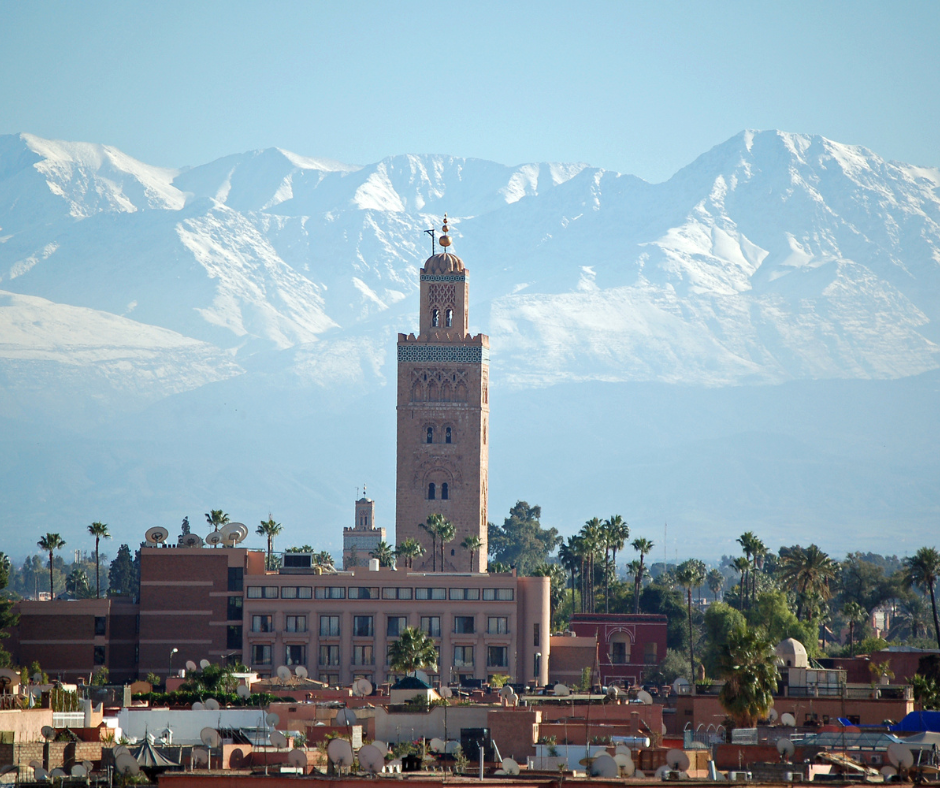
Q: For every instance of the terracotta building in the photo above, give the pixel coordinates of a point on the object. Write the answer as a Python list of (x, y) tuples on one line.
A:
[(627, 645), (443, 416)]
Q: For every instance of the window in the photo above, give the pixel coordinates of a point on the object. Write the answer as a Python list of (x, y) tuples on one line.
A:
[(295, 592), (363, 593), (101, 624), (431, 625), (262, 592), (99, 655), (288, 592), (260, 655), (436, 318), (234, 611), (233, 638), (445, 492), (463, 656), (362, 627), (430, 435), (329, 592), (329, 626), (330, 678), (295, 655), (497, 656), (497, 625), (432, 491), (449, 317), (295, 624), (397, 593), (649, 654), (464, 593), (620, 652), (363, 655), (236, 576), (536, 634), (430, 593), (463, 625), (329, 655), (447, 435), (262, 623), (395, 625), (304, 592), (499, 594)]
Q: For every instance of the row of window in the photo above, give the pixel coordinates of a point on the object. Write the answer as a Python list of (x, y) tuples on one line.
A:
[(432, 492), (448, 435), (363, 626), (620, 653), (360, 592), (329, 656)]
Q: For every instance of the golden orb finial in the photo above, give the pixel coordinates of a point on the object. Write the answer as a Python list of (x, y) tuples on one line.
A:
[(445, 240)]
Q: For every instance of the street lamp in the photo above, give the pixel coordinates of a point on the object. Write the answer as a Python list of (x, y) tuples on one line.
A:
[(169, 669)]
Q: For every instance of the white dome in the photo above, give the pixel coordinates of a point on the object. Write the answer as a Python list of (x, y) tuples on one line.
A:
[(792, 654)]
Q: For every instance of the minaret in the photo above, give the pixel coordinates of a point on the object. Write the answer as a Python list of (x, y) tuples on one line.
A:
[(443, 415)]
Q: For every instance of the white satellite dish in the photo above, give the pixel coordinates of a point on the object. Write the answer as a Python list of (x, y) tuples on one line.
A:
[(561, 690), (786, 748), (200, 755), (446, 692), (381, 745), (510, 766), (198, 706), (662, 772), (345, 717), (78, 770), (625, 762), (787, 720), (604, 766), (278, 739), (191, 540), (889, 772), (119, 750), (243, 691), (283, 672), (40, 774), (233, 533), (645, 697), (301, 672), (89, 767), (58, 773), (340, 753), (677, 760), (362, 687), (297, 758), (212, 704), (506, 692), (204, 663), (422, 676), (214, 539), (679, 683), (641, 775), (900, 756), (613, 691), (451, 747), (272, 719), (371, 759), (156, 535), (127, 764), (190, 665), (772, 715), (437, 745), (210, 737)]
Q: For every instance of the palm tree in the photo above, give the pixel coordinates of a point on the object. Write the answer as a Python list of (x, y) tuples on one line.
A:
[(51, 542), (471, 543), (613, 537), (408, 550), (854, 613), (99, 531), (570, 560), (431, 526), (807, 573), (413, 650), (635, 570), (643, 547), (215, 518), (592, 537), (747, 541), (383, 551), (269, 529), (922, 569), (323, 558), (759, 552), (690, 574), (76, 583), (716, 581), (445, 533), (741, 564), (748, 665)]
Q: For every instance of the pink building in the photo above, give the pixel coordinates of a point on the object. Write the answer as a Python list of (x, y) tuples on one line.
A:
[(626, 644)]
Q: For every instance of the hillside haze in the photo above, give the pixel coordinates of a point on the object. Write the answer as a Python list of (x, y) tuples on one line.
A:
[(752, 344)]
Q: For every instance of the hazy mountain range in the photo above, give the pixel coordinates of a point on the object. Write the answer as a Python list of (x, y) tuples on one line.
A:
[(752, 344)]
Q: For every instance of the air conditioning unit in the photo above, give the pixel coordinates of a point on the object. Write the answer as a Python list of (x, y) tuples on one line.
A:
[(739, 777), (793, 777)]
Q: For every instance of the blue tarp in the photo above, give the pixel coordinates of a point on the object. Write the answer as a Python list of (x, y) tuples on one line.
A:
[(919, 721)]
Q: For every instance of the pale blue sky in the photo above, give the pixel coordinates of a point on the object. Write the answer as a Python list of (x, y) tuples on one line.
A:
[(641, 88)]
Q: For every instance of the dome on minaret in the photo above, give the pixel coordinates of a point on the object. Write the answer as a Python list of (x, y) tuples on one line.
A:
[(443, 263)]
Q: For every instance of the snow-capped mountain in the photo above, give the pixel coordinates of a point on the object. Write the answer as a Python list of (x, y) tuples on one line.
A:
[(772, 258)]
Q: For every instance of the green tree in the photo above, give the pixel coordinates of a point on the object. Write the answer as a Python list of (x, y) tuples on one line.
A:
[(442, 531), (100, 676), (613, 532), (644, 547), (808, 573), (215, 518), (412, 651), (690, 574), (408, 550), (269, 529), (471, 544), (748, 665), (431, 526), (50, 543), (592, 537), (569, 560), (384, 553), (922, 569), (741, 564), (521, 541), (773, 614), (716, 581), (7, 617), (76, 583), (123, 577), (720, 621), (854, 614), (99, 531)]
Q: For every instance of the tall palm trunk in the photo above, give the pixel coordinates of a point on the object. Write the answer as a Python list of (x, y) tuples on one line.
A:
[(51, 592), (691, 643), (936, 620), (637, 583), (97, 570)]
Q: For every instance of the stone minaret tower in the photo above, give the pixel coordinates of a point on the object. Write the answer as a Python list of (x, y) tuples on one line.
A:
[(443, 418)]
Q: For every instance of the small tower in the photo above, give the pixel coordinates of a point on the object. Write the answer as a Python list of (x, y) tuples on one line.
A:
[(363, 537)]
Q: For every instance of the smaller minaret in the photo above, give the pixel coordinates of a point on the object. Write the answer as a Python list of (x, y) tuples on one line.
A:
[(363, 537)]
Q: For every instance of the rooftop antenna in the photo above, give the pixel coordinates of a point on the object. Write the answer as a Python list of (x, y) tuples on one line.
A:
[(433, 233)]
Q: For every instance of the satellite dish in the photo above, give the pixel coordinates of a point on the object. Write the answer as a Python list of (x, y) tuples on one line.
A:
[(345, 717), (156, 535), (446, 692), (786, 748), (772, 715), (437, 745), (422, 676), (233, 533), (210, 737), (340, 753), (37, 678), (604, 766), (272, 719), (78, 770), (661, 772), (212, 704), (297, 758), (381, 745), (613, 691), (127, 764), (510, 766), (243, 691), (47, 731), (89, 766), (283, 673), (8, 768), (198, 706), (371, 759), (561, 690), (35, 764), (362, 687), (58, 773), (506, 692), (625, 762), (679, 683), (645, 697), (900, 756), (200, 755), (889, 772), (278, 739), (204, 663), (190, 665), (787, 720), (119, 750), (191, 540), (13, 678), (301, 672), (214, 539), (40, 774), (677, 760), (451, 747)]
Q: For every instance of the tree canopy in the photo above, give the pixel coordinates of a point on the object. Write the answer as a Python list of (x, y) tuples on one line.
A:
[(521, 541)]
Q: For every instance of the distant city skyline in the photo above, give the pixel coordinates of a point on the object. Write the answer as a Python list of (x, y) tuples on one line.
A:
[(636, 88)]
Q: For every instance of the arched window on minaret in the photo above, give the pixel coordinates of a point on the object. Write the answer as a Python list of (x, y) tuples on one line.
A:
[(435, 317), (444, 492), (430, 435), (449, 318), (432, 491), (447, 435)]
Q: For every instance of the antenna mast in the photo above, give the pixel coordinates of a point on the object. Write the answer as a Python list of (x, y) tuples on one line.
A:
[(433, 233)]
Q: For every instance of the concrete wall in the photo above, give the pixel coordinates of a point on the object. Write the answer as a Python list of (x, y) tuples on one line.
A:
[(26, 725), (186, 725), (392, 728)]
